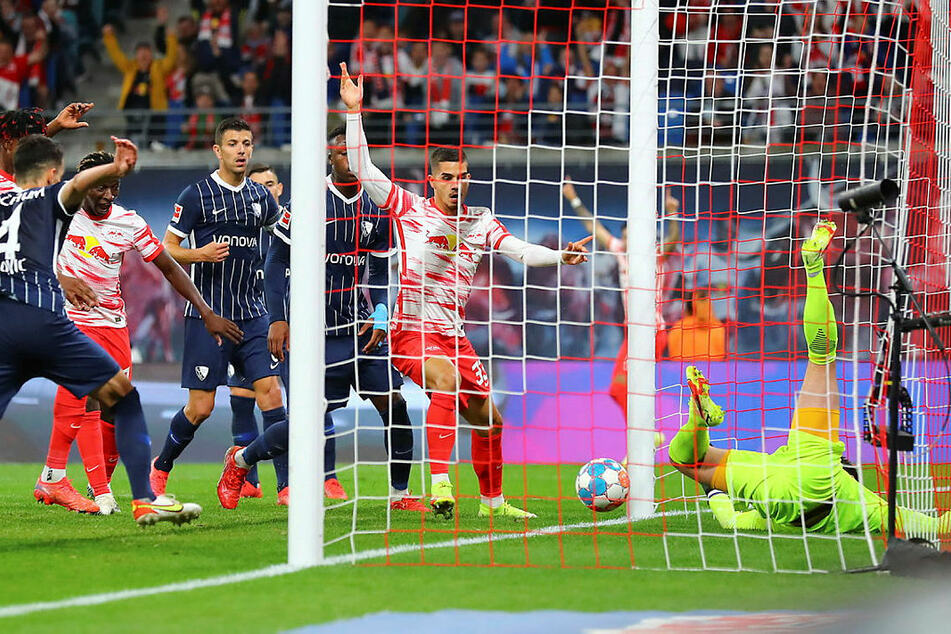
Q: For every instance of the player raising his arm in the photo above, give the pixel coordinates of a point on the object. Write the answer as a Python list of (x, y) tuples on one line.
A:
[(803, 483), (100, 234), (37, 339), (222, 216), (441, 244)]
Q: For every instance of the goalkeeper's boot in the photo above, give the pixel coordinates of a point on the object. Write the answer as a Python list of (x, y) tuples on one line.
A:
[(64, 494), (408, 503), (284, 497), (815, 247), (334, 490), (506, 510), (710, 413), (231, 480), (251, 490), (158, 479), (164, 508), (442, 502), (107, 504)]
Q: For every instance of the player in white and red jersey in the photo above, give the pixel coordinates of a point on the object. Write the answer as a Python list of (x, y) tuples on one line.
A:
[(99, 235), (441, 244), (618, 246)]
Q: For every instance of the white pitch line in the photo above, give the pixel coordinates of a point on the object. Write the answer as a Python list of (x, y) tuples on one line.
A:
[(283, 569)]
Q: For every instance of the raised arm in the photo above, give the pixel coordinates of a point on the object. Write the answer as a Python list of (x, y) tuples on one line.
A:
[(537, 255), (377, 185), (600, 232), (73, 192)]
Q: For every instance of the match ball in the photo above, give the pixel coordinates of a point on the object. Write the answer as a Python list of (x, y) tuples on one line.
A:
[(602, 484)]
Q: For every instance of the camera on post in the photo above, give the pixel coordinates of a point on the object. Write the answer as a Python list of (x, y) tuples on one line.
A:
[(862, 200)]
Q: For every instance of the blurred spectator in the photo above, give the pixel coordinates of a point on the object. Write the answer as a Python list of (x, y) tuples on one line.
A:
[(186, 32), (31, 44), (249, 103), (480, 83), (64, 64), (699, 335), (445, 95), (217, 50), (144, 86), (275, 76), (200, 127), (14, 71), (413, 77), (512, 126), (615, 101)]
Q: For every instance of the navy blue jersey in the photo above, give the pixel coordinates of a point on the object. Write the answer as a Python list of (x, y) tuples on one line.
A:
[(33, 224), (356, 230), (214, 211)]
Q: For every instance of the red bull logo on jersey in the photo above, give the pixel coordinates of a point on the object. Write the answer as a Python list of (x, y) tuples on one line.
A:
[(443, 242), (90, 247), (176, 213)]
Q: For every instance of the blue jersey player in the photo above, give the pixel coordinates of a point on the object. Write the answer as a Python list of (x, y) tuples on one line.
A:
[(222, 216), (37, 338), (359, 240)]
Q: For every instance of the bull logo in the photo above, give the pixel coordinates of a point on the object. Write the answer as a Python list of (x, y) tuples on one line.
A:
[(445, 243), (89, 247)]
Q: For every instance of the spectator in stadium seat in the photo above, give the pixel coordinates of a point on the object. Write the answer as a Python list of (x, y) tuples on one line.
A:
[(33, 39), (217, 46), (143, 82), (481, 82), (445, 95), (14, 71), (413, 78), (275, 77), (698, 335), (250, 102), (547, 126), (200, 127), (512, 126), (186, 32)]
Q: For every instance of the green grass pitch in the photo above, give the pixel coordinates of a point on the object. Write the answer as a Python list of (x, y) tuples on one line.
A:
[(48, 554)]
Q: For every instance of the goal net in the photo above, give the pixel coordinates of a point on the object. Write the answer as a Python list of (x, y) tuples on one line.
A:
[(765, 112)]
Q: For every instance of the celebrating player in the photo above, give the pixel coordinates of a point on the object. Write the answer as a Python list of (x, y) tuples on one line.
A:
[(355, 228), (37, 338), (442, 242), (803, 483), (100, 234), (222, 216)]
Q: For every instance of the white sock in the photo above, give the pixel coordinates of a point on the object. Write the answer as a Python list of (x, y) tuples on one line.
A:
[(52, 475), (396, 494), (439, 477), (493, 503), (239, 459)]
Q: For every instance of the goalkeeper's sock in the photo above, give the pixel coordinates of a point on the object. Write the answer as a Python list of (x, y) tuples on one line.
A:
[(722, 507), (330, 448), (398, 441), (818, 318), (272, 443), (440, 433), (244, 428), (689, 445), (135, 448), (917, 523), (180, 434), (89, 441), (109, 450), (268, 419), (487, 462)]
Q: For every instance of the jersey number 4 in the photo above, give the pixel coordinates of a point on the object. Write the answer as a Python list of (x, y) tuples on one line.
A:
[(10, 234)]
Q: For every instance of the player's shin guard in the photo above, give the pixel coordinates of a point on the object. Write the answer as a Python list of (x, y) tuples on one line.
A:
[(398, 441), (270, 418), (441, 432), (89, 441), (270, 444), (109, 450), (487, 462), (244, 428), (135, 448), (330, 448), (180, 434)]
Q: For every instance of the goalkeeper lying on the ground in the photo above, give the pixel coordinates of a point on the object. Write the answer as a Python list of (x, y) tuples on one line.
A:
[(803, 483)]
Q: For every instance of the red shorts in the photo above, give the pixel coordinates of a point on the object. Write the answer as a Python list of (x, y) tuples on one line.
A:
[(115, 341), (411, 349)]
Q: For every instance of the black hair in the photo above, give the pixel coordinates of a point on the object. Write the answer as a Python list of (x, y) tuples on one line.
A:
[(94, 159), (16, 124), (231, 123), (340, 130), (143, 44), (35, 152), (446, 154), (259, 168)]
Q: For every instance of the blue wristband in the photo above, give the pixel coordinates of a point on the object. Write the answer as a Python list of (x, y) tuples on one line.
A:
[(381, 318)]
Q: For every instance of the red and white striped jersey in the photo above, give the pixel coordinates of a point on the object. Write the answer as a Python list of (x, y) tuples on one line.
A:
[(439, 255), (6, 182), (93, 252)]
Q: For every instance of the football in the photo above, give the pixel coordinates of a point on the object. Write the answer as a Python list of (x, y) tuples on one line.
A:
[(602, 484)]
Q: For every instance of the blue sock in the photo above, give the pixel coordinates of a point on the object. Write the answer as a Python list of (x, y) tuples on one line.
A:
[(244, 428), (398, 440), (180, 433), (330, 448), (132, 440), (271, 418), (269, 445)]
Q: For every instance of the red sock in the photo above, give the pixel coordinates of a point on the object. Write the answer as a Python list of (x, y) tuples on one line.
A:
[(109, 450), (487, 463), (67, 419), (441, 431), (89, 440)]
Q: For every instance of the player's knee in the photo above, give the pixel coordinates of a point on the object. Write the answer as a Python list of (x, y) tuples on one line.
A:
[(268, 394), (110, 392), (199, 408), (447, 382)]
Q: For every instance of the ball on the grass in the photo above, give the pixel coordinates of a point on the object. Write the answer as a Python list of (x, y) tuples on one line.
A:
[(602, 484)]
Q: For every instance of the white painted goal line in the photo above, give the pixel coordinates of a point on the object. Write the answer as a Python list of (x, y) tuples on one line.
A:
[(283, 569)]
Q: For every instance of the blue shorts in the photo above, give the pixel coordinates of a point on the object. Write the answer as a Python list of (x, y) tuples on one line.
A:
[(205, 363), (35, 342), (348, 366)]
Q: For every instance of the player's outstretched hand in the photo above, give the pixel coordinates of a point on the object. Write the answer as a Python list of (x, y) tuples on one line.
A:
[(219, 327), (78, 293), (376, 337), (278, 339), (351, 93), (69, 118), (214, 252), (126, 155), (574, 253)]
